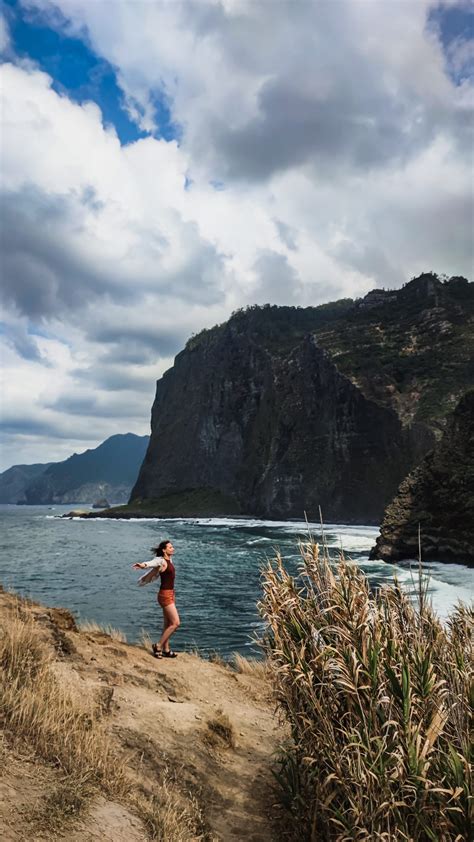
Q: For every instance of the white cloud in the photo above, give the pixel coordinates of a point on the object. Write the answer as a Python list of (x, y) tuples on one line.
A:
[(341, 142)]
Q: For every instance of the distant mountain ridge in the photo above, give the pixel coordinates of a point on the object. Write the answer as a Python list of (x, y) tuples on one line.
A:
[(108, 470), (14, 480)]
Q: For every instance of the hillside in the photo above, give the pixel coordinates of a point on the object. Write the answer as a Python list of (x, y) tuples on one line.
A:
[(14, 480), (281, 410), (179, 751), (108, 470)]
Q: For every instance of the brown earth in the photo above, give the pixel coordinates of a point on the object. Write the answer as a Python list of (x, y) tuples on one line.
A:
[(158, 713)]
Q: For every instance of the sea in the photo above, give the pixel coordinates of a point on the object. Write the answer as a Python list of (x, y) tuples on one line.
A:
[(86, 566)]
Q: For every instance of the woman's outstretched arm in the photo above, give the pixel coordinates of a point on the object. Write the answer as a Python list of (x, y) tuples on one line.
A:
[(154, 562)]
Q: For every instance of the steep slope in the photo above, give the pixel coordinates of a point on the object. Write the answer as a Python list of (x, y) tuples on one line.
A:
[(162, 719), (15, 480), (108, 470), (438, 496), (281, 409)]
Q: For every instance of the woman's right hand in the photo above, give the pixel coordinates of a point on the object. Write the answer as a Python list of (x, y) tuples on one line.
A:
[(139, 565)]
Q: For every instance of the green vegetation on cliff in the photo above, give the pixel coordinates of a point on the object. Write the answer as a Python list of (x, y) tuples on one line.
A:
[(410, 349)]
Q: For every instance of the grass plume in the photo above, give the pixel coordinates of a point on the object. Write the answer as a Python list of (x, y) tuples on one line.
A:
[(376, 692), (249, 666), (91, 627)]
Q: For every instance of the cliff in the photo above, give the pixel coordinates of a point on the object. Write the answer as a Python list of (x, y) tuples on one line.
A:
[(16, 479), (281, 410), (439, 497), (108, 470)]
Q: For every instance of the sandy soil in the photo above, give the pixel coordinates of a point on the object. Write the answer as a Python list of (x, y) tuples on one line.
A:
[(158, 712)]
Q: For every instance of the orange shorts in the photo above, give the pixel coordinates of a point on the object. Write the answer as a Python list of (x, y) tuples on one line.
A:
[(165, 598)]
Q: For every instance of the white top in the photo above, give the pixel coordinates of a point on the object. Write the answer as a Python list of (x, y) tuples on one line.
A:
[(156, 564), (157, 561)]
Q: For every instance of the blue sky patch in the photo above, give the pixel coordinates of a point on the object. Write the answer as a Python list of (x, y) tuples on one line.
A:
[(79, 73), (454, 24)]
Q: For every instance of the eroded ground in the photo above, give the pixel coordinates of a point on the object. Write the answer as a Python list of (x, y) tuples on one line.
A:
[(158, 714)]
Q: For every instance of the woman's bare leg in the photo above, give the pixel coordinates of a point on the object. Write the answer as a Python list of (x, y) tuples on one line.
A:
[(171, 622)]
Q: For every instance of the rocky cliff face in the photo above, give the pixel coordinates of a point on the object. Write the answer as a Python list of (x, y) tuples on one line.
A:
[(438, 496), (282, 410), (15, 480)]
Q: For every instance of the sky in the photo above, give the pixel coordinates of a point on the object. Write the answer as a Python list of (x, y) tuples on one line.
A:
[(165, 162)]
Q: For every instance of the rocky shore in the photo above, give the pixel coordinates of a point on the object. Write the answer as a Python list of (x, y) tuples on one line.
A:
[(437, 498)]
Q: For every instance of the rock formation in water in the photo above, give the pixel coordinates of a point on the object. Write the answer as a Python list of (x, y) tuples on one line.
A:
[(281, 410), (438, 498), (107, 471)]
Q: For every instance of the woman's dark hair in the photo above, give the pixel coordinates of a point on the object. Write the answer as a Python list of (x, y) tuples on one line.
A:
[(160, 548)]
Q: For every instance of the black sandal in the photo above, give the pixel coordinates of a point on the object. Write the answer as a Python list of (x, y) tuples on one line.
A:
[(169, 654), (157, 652)]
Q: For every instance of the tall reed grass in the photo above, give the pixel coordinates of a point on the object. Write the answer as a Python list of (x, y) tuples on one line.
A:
[(376, 692)]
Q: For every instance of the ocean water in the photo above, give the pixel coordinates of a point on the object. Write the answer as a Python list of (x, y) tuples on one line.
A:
[(85, 566)]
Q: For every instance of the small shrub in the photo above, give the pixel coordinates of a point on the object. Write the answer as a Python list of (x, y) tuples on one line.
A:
[(171, 814), (63, 804), (220, 731)]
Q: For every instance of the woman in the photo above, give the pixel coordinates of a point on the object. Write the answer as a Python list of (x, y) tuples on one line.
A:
[(163, 566)]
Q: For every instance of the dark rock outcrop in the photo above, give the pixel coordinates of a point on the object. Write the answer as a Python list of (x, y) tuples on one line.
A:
[(278, 435), (281, 410), (103, 503), (438, 498)]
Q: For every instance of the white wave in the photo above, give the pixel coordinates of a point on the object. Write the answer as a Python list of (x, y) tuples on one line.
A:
[(352, 543), (296, 526)]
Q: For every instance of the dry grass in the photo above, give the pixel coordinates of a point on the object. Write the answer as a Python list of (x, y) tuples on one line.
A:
[(216, 658), (220, 731), (91, 627), (376, 693), (59, 807), (64, 727), (250, 666), (60, 725), (37, 708), (145, 641), (171, 814)]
